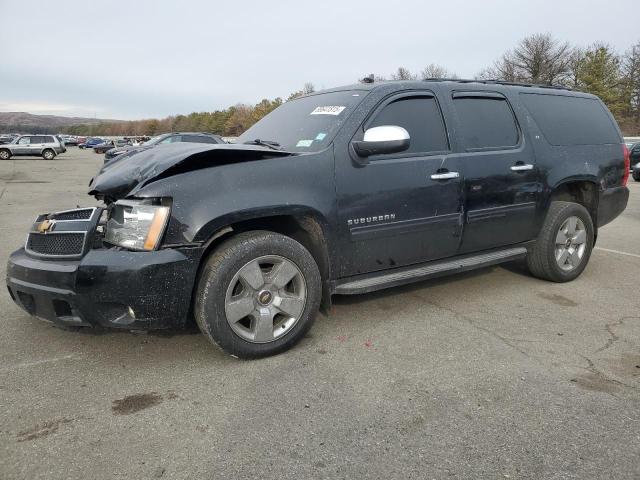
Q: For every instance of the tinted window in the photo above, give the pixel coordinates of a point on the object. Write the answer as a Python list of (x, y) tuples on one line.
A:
[(48, 140), (421, 117), (571, 120), (37, 139), (198, 139), (486, 122)]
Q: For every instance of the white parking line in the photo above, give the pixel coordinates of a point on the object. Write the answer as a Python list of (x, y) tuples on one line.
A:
[(35, 363), (618, 252)]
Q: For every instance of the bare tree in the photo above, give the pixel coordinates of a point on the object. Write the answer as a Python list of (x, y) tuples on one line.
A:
[(434, 70), (631, 78), (575, 64), (403, 74), (538, 58)]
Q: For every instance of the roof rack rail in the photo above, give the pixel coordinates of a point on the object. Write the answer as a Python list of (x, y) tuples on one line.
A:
[(498, 82)]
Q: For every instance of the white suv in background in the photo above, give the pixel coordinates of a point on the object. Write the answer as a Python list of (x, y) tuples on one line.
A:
[(46, 146)]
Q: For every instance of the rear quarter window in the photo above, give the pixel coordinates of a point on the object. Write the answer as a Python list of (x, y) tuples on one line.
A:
[(566, 120)]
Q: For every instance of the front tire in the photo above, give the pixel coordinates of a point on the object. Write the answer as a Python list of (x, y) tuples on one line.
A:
[(258, 294), (48, 154), (5, 154), (564, 244)]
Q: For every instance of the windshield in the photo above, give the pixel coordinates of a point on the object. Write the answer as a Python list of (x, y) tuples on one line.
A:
[(306, 124)]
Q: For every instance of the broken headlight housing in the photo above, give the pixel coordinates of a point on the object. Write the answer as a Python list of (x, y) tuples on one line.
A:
[(137, 224)]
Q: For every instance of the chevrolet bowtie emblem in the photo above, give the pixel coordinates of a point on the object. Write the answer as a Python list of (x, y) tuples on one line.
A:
[(45, 226)]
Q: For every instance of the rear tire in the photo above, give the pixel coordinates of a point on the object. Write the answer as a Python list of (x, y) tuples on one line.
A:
[(564, 244), (258, 294), (5, 154), (48, 154)]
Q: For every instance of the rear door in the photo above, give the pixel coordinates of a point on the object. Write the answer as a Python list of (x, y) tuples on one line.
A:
[(391, 212), (37, 145), (501, 181)]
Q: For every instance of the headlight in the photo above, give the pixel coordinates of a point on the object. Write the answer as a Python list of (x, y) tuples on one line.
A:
[(136, 224)]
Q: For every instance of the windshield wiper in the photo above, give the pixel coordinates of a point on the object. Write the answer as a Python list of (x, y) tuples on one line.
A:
[(265, 143)]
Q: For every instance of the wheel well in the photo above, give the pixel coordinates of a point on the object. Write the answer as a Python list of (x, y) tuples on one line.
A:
[(583, 192), (305, 229)]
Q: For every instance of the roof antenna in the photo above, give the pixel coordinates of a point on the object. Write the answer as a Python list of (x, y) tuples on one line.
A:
[(369, 79)]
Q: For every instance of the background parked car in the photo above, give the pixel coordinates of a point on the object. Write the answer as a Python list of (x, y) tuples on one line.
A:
[(70, 141), (191, 137), (91, 142), (47, 146), (104, 146), (109, 144), (634, 160), (4, 139)]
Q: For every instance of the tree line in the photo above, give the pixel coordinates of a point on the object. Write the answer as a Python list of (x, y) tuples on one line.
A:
[(538, 58), (230, 122)]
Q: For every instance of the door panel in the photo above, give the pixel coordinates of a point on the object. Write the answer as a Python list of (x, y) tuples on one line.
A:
[(22, 147), (500, 204), (391, 213), (36, 146), (501, 181)]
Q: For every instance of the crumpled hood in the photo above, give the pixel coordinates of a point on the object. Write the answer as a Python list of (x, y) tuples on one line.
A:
[(125, 176)]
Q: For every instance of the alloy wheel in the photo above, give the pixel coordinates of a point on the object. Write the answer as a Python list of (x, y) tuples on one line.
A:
[(265, 299), (571, 243)]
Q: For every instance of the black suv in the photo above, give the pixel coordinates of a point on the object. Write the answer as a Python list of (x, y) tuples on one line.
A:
[(175, 137), (343, 191)]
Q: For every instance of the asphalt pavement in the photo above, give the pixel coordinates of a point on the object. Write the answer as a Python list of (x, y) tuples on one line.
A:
[(490, 374)]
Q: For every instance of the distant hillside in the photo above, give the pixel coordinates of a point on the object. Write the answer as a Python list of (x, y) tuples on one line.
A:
[(23, 122)]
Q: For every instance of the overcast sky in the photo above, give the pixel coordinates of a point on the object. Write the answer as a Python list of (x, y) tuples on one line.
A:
[(140, 59)]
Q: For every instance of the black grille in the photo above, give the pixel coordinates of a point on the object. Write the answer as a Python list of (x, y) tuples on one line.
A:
[(80, 214), (56, 243)]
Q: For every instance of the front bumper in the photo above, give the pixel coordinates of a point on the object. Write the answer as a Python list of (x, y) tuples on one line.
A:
[(107, 287)]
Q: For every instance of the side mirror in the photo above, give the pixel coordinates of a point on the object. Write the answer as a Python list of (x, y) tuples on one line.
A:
[(382, 140)]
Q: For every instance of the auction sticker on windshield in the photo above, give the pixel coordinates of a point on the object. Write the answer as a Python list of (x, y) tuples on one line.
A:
[(328, 110)]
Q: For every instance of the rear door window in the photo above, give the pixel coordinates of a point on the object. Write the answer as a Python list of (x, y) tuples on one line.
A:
[(37, 140), (486, 123), (421, 117), (568, 120)]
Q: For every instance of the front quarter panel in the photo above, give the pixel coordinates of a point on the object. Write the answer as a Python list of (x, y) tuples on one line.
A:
[(208, 199)]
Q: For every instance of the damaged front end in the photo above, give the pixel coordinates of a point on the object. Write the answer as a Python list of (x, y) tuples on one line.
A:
[(69, 274), (108, 266)]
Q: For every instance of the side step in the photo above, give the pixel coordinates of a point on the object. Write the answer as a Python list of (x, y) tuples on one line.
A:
[(372, 282)]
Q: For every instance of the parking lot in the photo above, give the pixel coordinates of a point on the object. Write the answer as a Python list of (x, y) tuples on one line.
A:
[(489, 374)]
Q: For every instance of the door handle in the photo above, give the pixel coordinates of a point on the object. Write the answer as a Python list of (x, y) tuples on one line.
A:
[(444, 175), (521, 167)]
